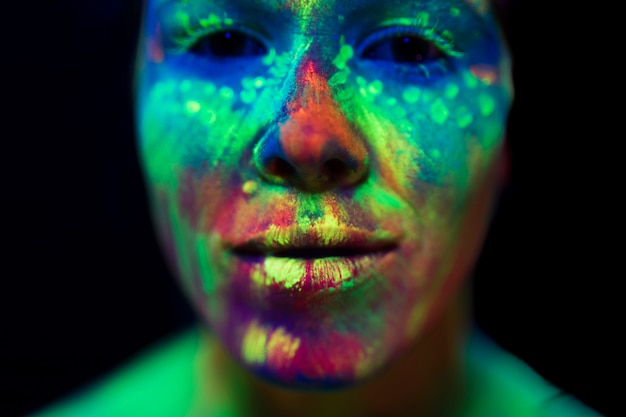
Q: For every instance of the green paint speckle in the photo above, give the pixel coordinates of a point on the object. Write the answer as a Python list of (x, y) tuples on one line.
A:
[(454, 11), (209, 89), (185, 86), (376, 87), (391, 101), (339, 77), (259, 82), (422, 18), (247, 96), (192, 106), (399, 111), (435, 153), (226, 93), (487, 104), (439, 112), (345, 53), (411, 95), (464, 116), (451, 91)]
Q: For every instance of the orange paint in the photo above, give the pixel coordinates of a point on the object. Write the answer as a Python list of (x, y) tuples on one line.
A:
[(316, 122)]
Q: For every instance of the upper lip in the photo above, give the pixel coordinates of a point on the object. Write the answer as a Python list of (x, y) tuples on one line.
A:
[(315, 242)]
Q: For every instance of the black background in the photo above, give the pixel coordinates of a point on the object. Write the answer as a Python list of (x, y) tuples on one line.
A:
[(86, 287)]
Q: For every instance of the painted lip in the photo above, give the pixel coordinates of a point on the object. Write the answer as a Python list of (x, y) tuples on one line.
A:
[(315, 259)]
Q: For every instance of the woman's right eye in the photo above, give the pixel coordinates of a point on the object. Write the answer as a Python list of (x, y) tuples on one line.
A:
[(228, 44)]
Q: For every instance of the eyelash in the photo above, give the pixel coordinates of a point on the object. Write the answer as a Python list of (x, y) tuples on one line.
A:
[(186, 42), (415, 70), (428, 70)]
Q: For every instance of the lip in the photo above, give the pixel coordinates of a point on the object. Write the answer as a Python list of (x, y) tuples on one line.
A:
[(313, 259)]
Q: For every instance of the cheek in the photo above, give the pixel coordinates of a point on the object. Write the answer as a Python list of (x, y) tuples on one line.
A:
[(429, 139)]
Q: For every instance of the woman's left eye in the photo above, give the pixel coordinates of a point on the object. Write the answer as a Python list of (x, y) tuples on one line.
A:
[(404, 48)]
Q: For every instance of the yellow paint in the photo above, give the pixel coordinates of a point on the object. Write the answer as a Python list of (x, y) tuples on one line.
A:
[(253, 348)]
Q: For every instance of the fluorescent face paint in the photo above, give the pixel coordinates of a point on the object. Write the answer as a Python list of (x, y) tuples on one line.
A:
[(321, 172)]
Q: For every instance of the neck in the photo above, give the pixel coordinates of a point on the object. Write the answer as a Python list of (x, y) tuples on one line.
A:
[(426, 381)]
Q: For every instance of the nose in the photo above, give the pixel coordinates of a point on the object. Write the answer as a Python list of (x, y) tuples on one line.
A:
[(316, 148)]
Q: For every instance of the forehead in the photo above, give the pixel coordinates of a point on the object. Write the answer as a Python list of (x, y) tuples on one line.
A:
[(300, 7)]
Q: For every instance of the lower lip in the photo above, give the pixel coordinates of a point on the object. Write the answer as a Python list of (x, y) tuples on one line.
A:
[(313, 275)]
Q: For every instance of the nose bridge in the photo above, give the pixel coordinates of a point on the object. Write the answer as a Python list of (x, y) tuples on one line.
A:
[(311, 77), (315, 122), (314, 147)]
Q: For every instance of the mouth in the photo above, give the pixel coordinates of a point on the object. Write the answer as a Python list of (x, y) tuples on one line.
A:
[(311, 262), (311, 252)]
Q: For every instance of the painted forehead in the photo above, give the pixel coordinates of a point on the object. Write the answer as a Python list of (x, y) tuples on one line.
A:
[(306, 6)]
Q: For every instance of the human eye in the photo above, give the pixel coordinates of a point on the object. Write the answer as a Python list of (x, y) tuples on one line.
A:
[(410, 51), (225, 44)]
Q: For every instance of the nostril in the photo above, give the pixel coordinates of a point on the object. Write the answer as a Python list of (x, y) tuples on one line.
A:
[(281, 168), (334, 169)]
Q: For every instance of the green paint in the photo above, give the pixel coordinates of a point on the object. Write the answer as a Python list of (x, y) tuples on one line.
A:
[(487, 104), (451, 91), (454, 11), (185, 86), (340, 77), (206, 274), (411, 94), (226, 93), (422, 18), (259, 82), (209, 89), (345, 53), (375, 87), (391, 101), (248, 96), (464, 116), (439, 112), (192, 106)]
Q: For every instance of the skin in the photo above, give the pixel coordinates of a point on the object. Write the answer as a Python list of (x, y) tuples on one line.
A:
[(252, 155)]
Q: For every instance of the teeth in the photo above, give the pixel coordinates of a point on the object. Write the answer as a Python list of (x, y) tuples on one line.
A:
[(315, 273), (284, 271)]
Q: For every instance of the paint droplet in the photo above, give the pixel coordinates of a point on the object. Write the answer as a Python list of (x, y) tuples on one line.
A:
[(411, 95), (470, 80), (451, 91), (192, 106), (339, 77), (185, 86), (210, 117), (439, 112), (399, 111), (391, 101), (376, 87), (247, 82), (249, 187), (464, 117), (209, 89), (435, 153), (345, 53), (226, 93), (259, 82), (487, 105), (454, 11), (248, 96), (361, 81), (422, 18)]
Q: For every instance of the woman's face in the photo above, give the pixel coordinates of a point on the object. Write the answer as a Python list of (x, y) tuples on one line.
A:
[(321, 172)]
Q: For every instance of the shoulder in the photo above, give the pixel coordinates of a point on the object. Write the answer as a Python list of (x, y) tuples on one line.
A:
[(502, 385), (159, 383)]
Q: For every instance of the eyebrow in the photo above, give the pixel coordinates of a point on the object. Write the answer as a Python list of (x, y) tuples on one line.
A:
[(478, 7)]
